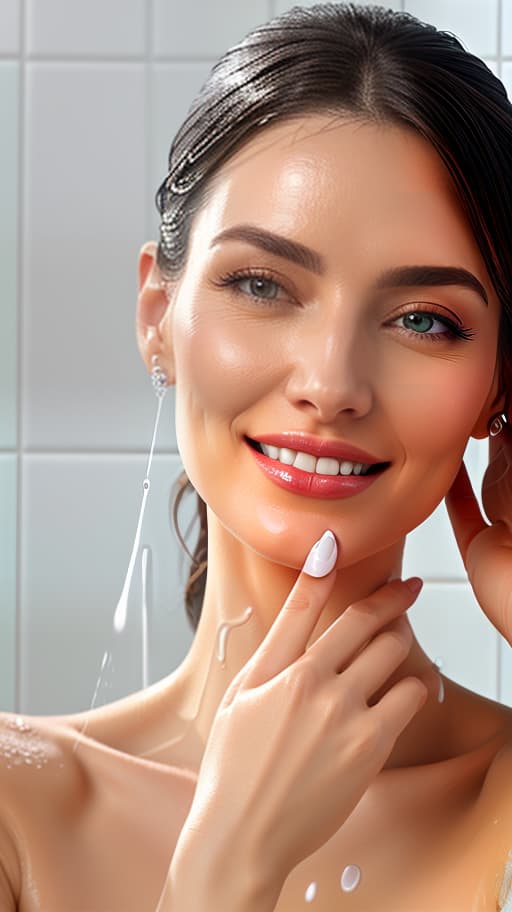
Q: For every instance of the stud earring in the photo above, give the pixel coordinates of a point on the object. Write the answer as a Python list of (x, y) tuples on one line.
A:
[(495, 425), (158, 378)]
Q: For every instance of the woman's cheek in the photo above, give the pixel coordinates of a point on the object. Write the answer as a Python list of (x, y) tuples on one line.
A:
[(225, 364)]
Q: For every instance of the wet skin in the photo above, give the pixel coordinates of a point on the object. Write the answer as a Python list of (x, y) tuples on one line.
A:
[(327, 353)]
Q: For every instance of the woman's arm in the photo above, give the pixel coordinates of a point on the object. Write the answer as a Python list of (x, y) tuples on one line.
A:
[(213, 872)]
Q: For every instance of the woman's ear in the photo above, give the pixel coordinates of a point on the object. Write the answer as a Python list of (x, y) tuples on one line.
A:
[(153, 302), (491, 407)]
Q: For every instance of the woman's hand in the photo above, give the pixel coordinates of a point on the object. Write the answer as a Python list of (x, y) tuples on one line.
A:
[(486, 550), (294, 745)]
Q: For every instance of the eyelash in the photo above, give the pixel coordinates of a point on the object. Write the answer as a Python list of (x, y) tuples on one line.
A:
[(455, 332)]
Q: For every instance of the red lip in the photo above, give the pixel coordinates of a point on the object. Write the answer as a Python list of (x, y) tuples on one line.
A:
[(309, 484), (318, 446)]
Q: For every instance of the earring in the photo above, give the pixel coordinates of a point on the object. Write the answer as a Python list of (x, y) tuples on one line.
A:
[(158, 378), (495, 425)]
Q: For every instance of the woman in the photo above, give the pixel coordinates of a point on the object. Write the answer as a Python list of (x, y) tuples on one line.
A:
[(333, 287)]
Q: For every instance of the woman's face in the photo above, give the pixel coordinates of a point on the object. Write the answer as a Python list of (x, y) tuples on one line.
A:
[(317, 347)]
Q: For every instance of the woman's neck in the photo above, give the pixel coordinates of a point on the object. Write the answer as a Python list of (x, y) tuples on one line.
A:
[(228, 635)]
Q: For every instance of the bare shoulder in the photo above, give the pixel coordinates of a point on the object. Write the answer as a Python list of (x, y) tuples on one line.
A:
[(37, 776), (36, 759)]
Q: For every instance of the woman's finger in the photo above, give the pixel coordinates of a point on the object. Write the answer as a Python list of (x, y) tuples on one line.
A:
[(346, 636), (464, 511), (288, 636), (370, 670)]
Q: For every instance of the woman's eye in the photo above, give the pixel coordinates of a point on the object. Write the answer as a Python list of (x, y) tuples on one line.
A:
[(259, 287), (421, 321), (417, 323)]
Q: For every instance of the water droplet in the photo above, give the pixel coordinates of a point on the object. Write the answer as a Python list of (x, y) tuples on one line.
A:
[(223, 631), (310, 893), (350, 878)]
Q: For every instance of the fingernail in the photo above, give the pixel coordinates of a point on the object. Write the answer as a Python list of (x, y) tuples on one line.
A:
[(322, 557), (414, 584)]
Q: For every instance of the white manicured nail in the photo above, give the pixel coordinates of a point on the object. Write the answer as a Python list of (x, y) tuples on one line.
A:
[(322, 557)]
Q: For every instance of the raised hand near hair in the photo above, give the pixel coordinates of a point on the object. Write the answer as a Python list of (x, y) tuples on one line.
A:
[(486, 549), (294, 745)]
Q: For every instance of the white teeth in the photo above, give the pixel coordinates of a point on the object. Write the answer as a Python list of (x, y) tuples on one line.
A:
[(309, 463), (287, 456), (305, 461), (326, 466)]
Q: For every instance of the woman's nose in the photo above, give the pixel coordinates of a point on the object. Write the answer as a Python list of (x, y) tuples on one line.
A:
[(332, 374)]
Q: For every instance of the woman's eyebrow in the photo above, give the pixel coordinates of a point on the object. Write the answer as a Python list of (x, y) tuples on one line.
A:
[(396, 277)]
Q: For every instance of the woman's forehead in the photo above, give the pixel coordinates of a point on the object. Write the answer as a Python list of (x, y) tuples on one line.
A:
[(345, 153), (347, 186)]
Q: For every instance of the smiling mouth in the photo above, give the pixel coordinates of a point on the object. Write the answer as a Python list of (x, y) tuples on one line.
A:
[(374, 469)]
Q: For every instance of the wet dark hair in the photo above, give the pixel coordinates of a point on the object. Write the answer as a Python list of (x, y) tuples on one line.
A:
[(382, 67)]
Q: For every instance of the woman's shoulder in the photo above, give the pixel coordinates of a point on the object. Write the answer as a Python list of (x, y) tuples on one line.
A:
[(36, 751), (38, 776), (61, 787)]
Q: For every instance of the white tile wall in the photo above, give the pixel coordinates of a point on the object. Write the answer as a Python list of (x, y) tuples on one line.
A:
[(84, 221), (452, 629), (102, 90), (96, 28), (9, 107), (9, 151), (506, 28), (79, 520), (199, 29), (8, 529), (9, 26)]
